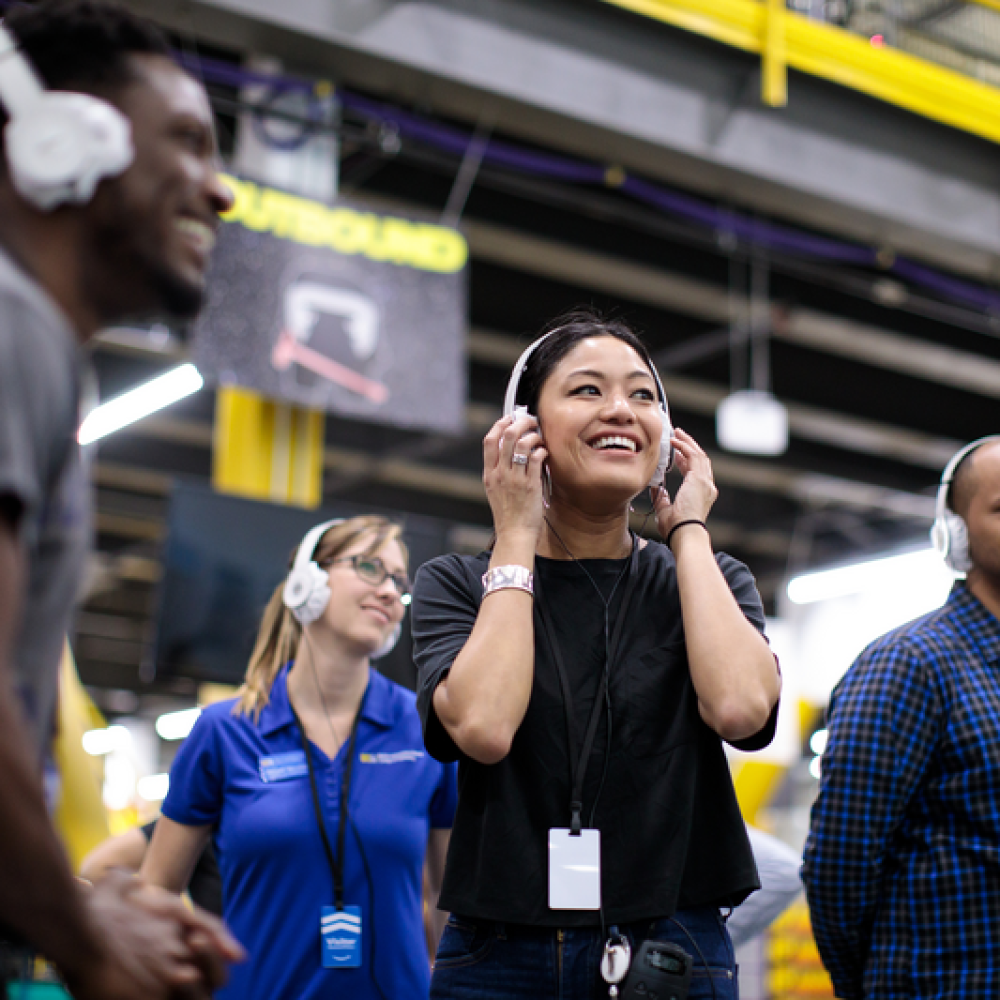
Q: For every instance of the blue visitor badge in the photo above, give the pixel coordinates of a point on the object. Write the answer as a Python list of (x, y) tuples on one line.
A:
[(283, 766), (340, 931)]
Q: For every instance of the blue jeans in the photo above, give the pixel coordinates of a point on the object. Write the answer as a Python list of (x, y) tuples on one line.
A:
[(482, 960)]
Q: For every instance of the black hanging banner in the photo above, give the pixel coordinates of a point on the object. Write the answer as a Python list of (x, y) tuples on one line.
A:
[(339, 308)]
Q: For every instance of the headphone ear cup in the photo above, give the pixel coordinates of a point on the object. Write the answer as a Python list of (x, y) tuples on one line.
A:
[(390, 644), (940, 539), (307, 592), (957, 556), (60, 153), (666, 458)]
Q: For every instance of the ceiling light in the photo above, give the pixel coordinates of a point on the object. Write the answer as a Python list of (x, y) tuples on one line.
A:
[(884, 573), (177, 725), (818, 741), (816, 767), (752, 422), (140, 402), (98, 742)]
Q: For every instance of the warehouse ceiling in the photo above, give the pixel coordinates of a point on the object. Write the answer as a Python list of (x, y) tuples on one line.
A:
[(962, 35), (882, 380)]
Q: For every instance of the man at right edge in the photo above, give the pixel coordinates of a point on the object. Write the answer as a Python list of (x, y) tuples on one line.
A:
[(902, 865), (136, 246)]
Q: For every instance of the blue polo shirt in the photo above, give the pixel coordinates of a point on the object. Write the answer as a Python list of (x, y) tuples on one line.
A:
[(275, 875)]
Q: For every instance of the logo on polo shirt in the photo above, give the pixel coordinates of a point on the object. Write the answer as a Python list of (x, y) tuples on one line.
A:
[(396, 757)]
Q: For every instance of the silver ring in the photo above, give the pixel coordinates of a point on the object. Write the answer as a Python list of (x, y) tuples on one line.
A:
[(518, 459)]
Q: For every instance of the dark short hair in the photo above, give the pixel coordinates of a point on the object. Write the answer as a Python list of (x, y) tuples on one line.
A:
[(961, 489), (83, 45), (963, 479), (565, 332)]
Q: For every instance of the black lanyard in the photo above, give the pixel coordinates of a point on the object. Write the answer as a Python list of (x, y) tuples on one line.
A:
[(336, 863), (578, 765)]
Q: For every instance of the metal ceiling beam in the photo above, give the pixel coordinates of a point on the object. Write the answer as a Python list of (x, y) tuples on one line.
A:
[(653, 286)]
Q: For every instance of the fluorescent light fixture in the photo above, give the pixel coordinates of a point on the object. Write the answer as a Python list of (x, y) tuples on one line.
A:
[(816, 767), (752, 422), (98, 742), (154, 787), (140, 402), (818, 741), (856, 578), (177, 725)]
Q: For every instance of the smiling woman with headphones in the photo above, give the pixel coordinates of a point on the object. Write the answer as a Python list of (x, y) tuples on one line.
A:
[(315, 786), (585, 679)]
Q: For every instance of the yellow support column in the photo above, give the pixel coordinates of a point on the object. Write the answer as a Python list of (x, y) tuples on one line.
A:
[(266, 450), (80, 816), (755, 783), (774, 56)]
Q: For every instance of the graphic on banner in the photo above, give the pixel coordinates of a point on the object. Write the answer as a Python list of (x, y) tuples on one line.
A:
[(337, 308), (341, 934), (305, 303)]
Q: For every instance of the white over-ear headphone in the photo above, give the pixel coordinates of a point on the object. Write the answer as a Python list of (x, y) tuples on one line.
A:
[(666, 458), (307, 589), (59, 145), (949, 534)]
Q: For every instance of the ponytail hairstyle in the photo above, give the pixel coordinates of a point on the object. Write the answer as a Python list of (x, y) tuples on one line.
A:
[(280, 632)]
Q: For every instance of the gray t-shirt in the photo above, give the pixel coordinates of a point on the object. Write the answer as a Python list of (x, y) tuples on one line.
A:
[(40, 466)]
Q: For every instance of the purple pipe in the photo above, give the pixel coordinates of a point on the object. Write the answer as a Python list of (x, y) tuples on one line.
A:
[(455, 141)]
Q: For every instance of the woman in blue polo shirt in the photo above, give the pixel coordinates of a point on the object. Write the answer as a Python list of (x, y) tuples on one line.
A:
[(314, 784)]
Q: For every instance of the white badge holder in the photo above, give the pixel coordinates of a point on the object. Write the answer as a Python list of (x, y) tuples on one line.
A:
[(574, 870)]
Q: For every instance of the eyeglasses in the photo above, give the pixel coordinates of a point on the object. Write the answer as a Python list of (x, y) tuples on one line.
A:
[(372, 570)]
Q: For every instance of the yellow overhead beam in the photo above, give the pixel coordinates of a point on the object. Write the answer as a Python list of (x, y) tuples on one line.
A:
[(992, 4), (831, 53)]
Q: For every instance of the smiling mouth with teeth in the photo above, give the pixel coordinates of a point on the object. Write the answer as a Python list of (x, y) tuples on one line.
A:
[(614, 442), (198, 232)]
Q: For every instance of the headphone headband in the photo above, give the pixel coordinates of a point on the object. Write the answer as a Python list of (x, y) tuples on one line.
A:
[(20, 86), (510, 397), (666, 448), (307, 547), (949, 471)]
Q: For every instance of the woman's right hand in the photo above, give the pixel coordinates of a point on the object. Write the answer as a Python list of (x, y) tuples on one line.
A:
[(514, 490)]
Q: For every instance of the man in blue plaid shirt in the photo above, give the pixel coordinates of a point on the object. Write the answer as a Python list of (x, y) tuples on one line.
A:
[(902, 865)]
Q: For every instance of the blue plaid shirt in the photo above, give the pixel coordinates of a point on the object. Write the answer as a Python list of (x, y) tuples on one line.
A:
[(902, 865)]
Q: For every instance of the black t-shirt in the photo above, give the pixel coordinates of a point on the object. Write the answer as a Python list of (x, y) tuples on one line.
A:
[(671, 832), (205, 887)]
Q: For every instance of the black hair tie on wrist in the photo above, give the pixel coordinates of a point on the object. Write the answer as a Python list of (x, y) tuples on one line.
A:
[(680, 524)]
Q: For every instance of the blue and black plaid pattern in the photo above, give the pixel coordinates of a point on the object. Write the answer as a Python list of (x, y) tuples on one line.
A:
[(902, 864)]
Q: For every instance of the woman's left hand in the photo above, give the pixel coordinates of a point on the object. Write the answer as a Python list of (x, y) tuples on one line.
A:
[(697, 492)]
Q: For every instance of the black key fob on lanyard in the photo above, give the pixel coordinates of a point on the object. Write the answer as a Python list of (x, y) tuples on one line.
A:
[(661, 971)]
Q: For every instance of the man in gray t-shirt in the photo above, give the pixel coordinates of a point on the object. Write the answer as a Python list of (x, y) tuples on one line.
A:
[(41, 473), (129, 235)]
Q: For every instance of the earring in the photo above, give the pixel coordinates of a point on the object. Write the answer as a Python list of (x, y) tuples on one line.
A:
[(546, 487)]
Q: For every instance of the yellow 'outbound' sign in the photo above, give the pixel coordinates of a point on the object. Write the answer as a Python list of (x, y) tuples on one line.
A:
[(346, 230)]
